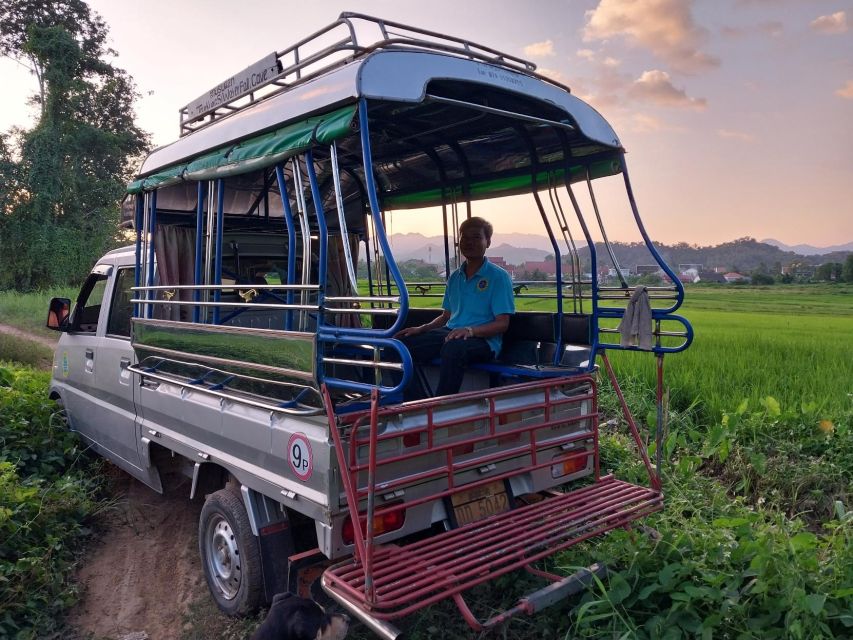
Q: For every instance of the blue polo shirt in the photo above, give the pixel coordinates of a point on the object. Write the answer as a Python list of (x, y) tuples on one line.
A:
[(479, 299)]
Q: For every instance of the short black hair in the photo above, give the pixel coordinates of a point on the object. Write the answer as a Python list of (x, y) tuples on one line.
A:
[(478, 223)]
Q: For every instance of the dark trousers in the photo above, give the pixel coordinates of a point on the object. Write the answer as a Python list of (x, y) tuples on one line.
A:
[(455, 356)]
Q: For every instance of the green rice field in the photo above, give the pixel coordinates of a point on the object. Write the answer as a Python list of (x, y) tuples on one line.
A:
[(792, 343)]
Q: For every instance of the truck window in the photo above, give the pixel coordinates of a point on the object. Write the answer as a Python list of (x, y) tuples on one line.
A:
[(121, 307), (89, 304)]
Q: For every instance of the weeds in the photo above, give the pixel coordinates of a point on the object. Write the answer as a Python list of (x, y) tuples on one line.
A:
[(46, 496), (720, 569)]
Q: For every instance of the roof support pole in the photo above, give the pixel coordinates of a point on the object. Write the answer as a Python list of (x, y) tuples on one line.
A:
[(152, 227), (217, 272), (375, 212), (199, 232), (140, 231), (291, 243)]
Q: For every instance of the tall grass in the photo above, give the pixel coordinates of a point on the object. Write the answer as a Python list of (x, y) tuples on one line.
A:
[(29, 310), (797, 359)]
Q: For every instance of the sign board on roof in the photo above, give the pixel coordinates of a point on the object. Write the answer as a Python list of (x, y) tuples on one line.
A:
[(240, 84)]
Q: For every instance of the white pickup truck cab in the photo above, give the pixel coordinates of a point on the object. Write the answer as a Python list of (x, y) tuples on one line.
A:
[(247, 337)]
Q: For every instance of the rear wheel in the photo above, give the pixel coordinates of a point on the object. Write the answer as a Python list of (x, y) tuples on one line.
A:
[(229, 554)]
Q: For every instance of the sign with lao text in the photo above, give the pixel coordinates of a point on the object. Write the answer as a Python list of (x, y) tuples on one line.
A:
[(249, 79)]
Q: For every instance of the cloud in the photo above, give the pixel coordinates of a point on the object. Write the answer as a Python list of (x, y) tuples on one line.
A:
[(846, 91), (554, 74), (736, 135), (835, 23), (773, 29), (664, 27), (656, 87), (586, 54), (540, 49), (611, 62)]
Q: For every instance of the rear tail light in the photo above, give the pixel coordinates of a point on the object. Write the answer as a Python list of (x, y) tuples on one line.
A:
[(385, 523), (411, 439), (569, 462)]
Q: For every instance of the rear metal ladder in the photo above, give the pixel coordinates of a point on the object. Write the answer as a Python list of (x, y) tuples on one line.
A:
[(381, 583)]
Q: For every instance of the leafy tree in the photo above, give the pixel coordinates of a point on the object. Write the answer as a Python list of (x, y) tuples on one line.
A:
[(847, 269), (757, 277), (61, 204), (829, 271)]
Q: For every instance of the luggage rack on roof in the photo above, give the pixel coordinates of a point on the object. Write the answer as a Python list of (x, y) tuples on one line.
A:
[(282, 70)]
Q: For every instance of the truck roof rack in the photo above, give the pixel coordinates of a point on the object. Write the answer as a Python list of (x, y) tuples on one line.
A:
[(321, 52)]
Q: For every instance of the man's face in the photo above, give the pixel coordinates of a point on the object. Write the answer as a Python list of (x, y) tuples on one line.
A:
[(473, 243)]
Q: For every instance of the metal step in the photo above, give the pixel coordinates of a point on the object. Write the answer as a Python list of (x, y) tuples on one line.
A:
[(414, 576)]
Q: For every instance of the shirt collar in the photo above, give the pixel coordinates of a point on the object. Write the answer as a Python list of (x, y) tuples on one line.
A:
[(479, 271)]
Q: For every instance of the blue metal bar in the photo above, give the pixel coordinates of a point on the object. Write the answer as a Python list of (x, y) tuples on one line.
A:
[(199, 232), (593, 263), (291, 242), (322, 268), (137, 223), (676, 281), (657, 315), (386, 343), (217, 271), (152, 227), (370, 184)]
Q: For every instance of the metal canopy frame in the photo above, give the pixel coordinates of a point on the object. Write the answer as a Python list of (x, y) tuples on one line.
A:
[(310, 58)]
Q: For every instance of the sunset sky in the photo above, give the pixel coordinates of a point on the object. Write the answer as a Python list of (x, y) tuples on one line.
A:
[(737, 114)]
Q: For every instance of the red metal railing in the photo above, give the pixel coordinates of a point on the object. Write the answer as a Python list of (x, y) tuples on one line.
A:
[(391, 581)]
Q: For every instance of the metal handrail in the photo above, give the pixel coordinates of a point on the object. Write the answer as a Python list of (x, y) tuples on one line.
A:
[(247, 305), (221, 287), (142, 371), (292, 74)]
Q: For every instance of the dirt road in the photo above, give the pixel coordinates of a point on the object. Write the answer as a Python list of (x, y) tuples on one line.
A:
[(141, 573), (8, 329)]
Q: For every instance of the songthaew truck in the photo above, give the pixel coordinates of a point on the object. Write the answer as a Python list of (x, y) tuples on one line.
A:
[(246, 338)]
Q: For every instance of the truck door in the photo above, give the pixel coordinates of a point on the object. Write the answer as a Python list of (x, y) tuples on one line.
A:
[(95, 356)]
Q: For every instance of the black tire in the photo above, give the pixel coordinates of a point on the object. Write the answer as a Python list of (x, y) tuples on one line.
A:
[(230, 556)]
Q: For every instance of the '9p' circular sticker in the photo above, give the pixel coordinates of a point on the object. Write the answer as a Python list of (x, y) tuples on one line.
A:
[(300, 456)]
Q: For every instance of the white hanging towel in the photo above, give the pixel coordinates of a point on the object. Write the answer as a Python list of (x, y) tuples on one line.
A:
[(636, 325)]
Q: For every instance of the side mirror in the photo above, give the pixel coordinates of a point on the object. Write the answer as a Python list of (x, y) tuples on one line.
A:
[(57, 315)]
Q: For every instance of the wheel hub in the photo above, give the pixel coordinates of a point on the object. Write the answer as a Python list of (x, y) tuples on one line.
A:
[(223, 557)]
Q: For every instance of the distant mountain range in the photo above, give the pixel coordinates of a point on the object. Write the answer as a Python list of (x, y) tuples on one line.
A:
[(807, 249), (743, 254)]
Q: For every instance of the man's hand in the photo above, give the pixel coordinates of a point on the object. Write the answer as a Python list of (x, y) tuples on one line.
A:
[(409, 331), (457, 334)]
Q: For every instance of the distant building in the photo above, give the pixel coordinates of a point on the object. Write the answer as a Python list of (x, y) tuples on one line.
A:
[(625, 272), (547, 267), (799, 270), (711, 276), (649, 270), (684, 268), (498, 261), (733, 276)]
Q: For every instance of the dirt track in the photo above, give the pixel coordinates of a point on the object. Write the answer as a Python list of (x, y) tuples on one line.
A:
[(27, 335), (142, 571)]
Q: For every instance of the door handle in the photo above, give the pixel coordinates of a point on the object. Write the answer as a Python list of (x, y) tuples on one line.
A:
[(124, 363), (90, 354)]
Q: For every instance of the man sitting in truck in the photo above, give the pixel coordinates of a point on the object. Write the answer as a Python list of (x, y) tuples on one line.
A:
[(477, 305)]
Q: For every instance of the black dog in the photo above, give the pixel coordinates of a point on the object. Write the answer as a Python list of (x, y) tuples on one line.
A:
[(293, 618)]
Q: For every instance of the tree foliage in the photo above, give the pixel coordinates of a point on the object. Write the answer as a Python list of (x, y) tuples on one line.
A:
[(847, 269), (62, 181)]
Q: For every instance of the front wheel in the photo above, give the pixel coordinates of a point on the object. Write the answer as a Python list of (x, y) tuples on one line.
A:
[(229, 554)]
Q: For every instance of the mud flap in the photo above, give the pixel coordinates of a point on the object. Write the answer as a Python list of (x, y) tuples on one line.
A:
[(275, 539)]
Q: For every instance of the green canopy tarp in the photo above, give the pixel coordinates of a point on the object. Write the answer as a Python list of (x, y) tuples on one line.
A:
[(255, 153)]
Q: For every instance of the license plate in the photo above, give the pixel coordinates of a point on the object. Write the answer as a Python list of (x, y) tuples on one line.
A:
[(480, 502)]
